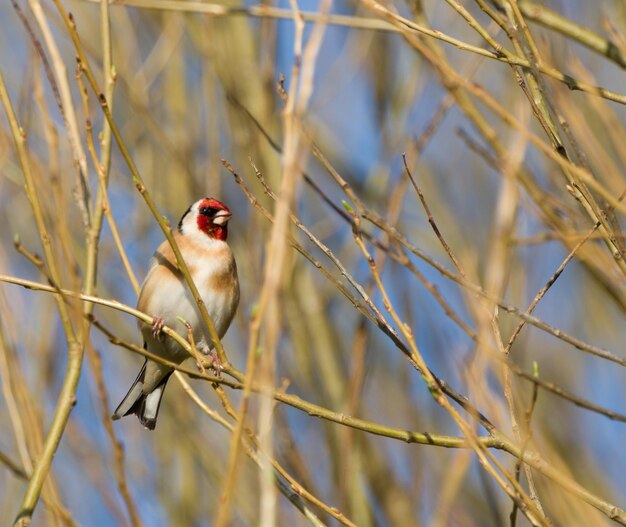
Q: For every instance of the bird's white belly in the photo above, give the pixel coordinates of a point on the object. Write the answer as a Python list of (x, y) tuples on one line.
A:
[(177, 301)]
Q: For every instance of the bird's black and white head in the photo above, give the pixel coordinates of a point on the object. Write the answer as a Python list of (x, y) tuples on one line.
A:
[(206, 217)]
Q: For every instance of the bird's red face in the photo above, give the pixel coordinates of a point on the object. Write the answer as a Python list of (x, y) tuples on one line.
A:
[(212, 218)]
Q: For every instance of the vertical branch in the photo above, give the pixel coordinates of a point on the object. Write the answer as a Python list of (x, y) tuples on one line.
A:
[(525, 440), (100, 210), (67, 108), (12, 407), (67, 396), (275, 250), (268, 311)]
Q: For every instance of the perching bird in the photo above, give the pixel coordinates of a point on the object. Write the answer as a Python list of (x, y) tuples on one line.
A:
[(201, 236)]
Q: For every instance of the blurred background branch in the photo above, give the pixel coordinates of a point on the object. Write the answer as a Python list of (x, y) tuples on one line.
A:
[(367, 142)]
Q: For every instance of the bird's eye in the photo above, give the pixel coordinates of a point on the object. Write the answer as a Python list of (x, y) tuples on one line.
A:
[(207, 211)]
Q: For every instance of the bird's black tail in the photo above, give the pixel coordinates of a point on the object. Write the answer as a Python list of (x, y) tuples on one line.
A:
[(144, 405)]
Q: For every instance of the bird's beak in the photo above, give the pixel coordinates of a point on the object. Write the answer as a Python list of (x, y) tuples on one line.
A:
[(222, 217)]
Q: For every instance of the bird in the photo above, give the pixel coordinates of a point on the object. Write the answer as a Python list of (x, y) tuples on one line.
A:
[(201, 236)]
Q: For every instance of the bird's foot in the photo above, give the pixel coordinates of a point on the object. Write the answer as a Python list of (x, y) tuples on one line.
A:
[(157, 328), (216, 363)]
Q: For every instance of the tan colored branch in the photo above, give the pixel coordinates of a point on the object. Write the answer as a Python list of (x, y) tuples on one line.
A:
[(585, 36)]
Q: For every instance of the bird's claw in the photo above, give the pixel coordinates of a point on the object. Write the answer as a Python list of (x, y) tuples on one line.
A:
[(157, 328), (216, 363)]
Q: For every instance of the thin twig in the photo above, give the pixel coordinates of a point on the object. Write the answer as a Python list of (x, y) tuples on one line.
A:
[(431, 220), (542, 292), (525, 441)]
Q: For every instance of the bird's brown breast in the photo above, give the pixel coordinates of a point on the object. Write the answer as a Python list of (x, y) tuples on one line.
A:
[(221, 280), (224, 279)]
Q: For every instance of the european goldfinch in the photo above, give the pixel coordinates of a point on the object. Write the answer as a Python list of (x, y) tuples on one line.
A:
[(201, 236)]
